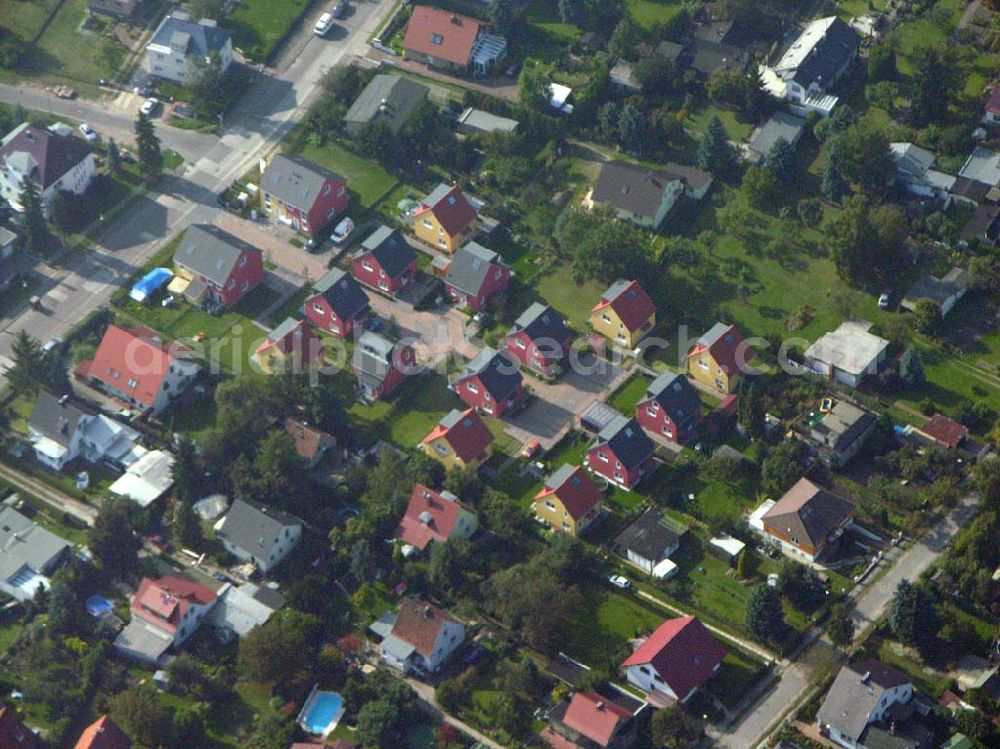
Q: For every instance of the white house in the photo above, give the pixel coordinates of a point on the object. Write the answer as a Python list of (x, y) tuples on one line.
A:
[(29, 554), (847, 354), (179, 45), (812, 64), (420, 638), (944, 291), (859, 698), (50, 157), (259, 534), (165, 613), (677, 659), (242, 609), (914, 170)]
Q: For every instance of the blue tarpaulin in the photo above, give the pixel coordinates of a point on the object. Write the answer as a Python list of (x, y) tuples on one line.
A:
[(150, 283)]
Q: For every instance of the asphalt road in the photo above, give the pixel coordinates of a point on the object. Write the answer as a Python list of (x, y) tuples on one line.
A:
[(85, 281)]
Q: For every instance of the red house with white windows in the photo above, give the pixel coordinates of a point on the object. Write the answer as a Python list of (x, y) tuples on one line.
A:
[(338, 304), (385, 262), (670, 409), (165, 613), (302, 194), (475, 276), (491, 382), (540, 339), (622, 453), (381, 365), (215, 269)]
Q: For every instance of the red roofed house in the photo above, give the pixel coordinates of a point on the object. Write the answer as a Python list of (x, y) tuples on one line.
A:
[(422, 638), (677, 659), (435, 516), (13, 733), (943, 431), (460, 439), (138, 368), (445, 218), (590, 720), (311, 444), (165, 613), (103, 733), (625, 313), (569, 501), (719, 358), (991, 114), (443, 39)]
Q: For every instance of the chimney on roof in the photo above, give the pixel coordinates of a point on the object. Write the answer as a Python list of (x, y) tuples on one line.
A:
[(600, 705), (428, 612), (867, 675), (456, 20)]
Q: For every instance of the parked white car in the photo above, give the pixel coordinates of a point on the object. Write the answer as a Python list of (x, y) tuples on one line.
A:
[(883, 300), (620, 582), (88, 132), (323, 25), (149, 106), (342, 231)]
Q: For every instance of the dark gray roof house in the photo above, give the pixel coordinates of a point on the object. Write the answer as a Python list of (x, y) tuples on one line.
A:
[(28, 554), (626, 439), (344, 294), (649, 539), (497, 370), (201, 38), (860, 691), (388, 97), (541, 321), (295, 181), (819, 54), (388, 246), (115, 8), (208, 251), (643, 196), (55, 418), (669, 51), (258, 533), (470, 266), (677, 397)]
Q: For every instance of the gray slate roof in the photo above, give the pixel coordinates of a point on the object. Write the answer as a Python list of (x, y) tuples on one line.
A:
[(393, 253), (818, 53), (497, 370), (780, 126), (391, 98), (626, 439), (470, 266), (296, 181), (25, 544), (211, 252), (676, 396), (809, 512), (541, 321), (842, 425), (247, 523), (197, 38), (55, 420), (938, 290), (648, 536), (638, 190), (486, 122), (855, 693), (344, 295), (373, 357)]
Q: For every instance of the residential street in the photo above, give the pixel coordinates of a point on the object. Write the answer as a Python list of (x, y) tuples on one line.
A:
[(85, 281)]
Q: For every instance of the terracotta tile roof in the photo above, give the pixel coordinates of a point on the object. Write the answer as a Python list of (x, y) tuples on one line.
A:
[(682, 651), (594, 717), (574, 489), (450, 208), (138, 355), (944, 431), (419, 623), (103, 733), (723, 342), (309, 441), (442, 34), (163, 602), (430, 516), (629, 301), (465, 431), (13, 733)]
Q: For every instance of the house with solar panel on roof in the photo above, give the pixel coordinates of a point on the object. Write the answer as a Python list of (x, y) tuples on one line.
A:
[(301, 194), (811, 65), (180, 44)]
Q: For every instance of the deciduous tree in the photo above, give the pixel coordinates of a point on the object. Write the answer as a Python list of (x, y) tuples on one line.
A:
[(112, 540)]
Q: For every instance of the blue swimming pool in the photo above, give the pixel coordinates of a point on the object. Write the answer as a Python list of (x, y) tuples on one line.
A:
[(322, 712)]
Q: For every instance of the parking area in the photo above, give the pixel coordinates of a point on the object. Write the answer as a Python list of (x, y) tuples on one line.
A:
[(276, 248)]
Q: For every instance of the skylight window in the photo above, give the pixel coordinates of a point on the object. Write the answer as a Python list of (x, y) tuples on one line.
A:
[(436, 39)]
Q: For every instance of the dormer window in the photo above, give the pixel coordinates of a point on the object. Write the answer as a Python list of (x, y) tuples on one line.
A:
[(132, 382), (243, 260)]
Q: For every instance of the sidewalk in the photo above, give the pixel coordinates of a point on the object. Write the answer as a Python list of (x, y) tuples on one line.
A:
[(47, 494)]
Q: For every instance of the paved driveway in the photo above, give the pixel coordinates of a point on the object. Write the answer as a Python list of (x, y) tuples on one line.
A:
[(556, 405), (436, 335)]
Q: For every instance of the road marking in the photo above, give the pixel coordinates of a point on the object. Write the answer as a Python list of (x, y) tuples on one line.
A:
[(58, 294)]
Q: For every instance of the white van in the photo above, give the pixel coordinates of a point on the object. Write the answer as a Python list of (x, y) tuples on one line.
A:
[(323, 25)]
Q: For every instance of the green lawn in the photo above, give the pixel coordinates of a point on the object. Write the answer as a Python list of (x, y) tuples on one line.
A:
[(258, 26), (570, 300), (25, 19), (604, 624), (698, 122), (629, 393), (368, 181), (409, 414), (62, 55), (738, 674), (8, 633), (650, 12)]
